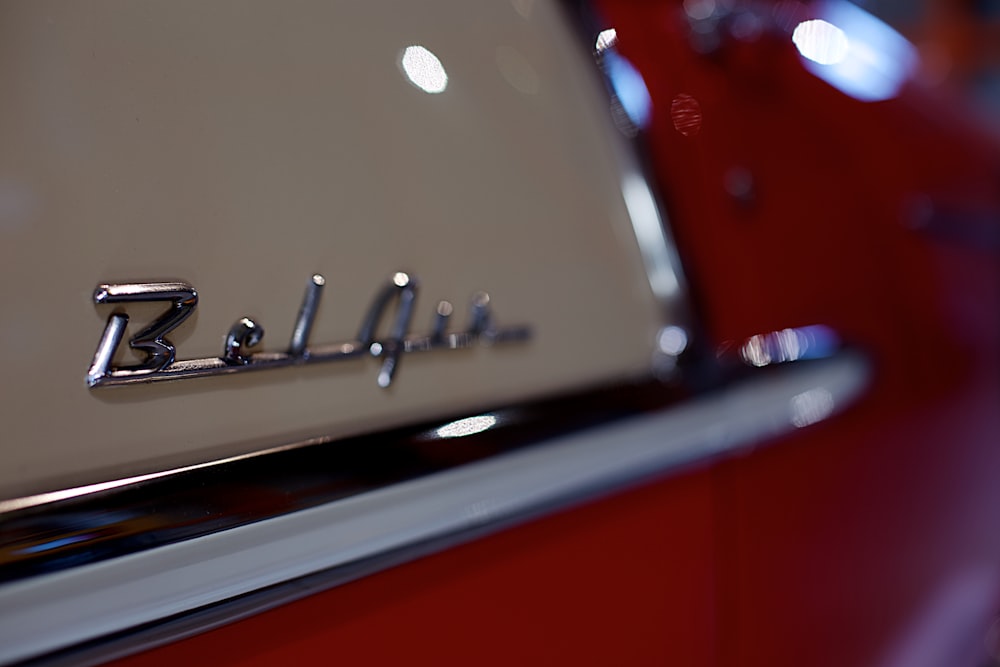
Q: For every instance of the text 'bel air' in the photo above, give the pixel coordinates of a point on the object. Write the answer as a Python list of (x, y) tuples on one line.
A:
[(161, 363)]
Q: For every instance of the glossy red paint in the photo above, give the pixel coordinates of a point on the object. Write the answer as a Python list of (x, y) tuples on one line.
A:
[(867, 540), (622, 581)]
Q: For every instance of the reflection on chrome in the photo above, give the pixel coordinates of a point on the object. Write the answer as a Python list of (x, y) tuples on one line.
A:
[(813, 342), (648, 230), (424, 70), (672, 340), (821, 42), (57, 543), (855, 52), (307, 315), (467, 426), (357, 516), (161, 363), (629, 87), (811, 406), (606, 39)]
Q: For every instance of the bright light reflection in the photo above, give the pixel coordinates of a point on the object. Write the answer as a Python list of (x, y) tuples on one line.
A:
[(424, 69), (811, 406), (54, 544), (672, 340), (855, 52), (467, 426), (813, 342), (606, 39), (65, 494), (629, 87), (820, 42), (648, 230)]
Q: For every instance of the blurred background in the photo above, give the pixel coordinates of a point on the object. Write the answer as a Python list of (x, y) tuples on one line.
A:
[(959, 41)]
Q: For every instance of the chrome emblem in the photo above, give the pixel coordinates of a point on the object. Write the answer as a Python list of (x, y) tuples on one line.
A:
[(161, 363)]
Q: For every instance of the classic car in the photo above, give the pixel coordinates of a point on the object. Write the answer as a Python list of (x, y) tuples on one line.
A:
[(619, 332)]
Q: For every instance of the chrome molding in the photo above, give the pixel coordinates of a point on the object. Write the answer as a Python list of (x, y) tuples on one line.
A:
[(94, 600), (648, 216), (650, 222), (56, 530), (162, 365)]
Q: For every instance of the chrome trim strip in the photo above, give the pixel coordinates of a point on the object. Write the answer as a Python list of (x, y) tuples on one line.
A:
[(74, 526), (649, 218), (662, 266), (110, 596)]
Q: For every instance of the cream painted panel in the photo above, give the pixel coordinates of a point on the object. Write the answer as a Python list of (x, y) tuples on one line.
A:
[(242, 146)]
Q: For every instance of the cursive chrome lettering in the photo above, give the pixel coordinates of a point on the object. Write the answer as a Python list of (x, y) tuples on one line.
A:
[(161, 364)]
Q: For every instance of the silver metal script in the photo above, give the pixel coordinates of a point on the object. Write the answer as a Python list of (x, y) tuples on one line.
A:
[(161, 364)]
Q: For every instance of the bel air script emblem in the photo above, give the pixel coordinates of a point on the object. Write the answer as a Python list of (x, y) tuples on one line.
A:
[(161, 363)]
